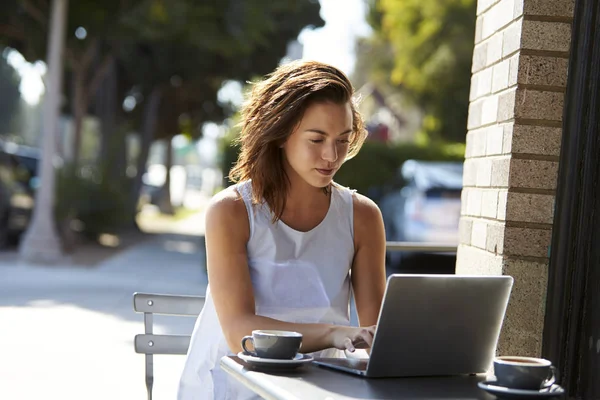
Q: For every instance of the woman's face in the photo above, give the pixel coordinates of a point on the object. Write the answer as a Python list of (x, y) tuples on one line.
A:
[(319, 144)]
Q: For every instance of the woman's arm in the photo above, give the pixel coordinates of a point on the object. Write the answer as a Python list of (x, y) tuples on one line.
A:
[(227, 233), (368, 267)]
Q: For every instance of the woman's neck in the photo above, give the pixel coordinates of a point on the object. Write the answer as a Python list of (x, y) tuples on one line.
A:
[(301, 195)]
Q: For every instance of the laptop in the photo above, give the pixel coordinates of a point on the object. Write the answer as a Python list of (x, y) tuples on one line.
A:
[(433, 325)]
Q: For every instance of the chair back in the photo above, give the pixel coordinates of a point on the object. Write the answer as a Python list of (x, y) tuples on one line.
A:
[(148, 343)]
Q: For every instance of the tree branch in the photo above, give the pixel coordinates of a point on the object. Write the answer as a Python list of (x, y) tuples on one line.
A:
[(35, 12), (99, 74)]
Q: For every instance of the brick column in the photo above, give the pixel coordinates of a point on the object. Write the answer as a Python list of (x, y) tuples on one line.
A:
[(513, 142)]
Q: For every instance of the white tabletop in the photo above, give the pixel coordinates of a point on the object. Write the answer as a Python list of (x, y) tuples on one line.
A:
[(318, 383)]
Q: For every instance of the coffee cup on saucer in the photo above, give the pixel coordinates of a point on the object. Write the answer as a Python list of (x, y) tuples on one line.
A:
[(528, 373), (282, 345)]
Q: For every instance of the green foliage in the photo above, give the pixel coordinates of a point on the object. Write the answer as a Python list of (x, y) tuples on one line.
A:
[(187, 47), (431, 45), (375, 168), (203, 44), (86, 195), (178, 51), (26, 22)]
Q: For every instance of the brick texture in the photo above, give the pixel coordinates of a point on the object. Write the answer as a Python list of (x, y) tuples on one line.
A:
[(519, 75)]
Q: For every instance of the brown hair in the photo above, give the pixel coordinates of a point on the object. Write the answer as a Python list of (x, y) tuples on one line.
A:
[(273, 110)]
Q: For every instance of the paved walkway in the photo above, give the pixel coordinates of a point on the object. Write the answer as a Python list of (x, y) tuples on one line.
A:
[(67, 332)]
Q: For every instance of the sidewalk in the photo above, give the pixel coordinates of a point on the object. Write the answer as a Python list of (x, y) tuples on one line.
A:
[(67, 333)]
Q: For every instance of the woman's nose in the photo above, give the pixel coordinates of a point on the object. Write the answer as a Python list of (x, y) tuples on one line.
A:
[(330, 153)]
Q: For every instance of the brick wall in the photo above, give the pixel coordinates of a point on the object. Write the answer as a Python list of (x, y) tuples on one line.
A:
[(513, 143)]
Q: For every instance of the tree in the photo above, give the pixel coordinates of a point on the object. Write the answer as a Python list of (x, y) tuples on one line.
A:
[(223, 34), (9, 87), (180, 73), (92, 29), (41, 242), (431, 45), (172, 57)]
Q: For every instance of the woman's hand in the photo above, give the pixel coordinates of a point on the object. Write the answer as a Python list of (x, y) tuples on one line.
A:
[(351, 338)]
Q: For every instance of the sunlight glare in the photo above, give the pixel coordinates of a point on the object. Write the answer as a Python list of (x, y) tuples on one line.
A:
[(32, 86)]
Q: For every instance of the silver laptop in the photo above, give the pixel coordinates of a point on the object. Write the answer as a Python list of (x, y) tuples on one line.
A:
[(434, 325)]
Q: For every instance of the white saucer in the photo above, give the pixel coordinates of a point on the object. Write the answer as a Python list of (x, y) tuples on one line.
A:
[(297, 361), (509, 393)]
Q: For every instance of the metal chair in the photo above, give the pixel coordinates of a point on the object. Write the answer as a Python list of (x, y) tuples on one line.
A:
[(149, 343)]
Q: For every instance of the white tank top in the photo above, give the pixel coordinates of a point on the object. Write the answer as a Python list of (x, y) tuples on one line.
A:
[(297, 276)]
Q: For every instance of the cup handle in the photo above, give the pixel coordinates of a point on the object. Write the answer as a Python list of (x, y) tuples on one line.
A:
[(244, 340), (552, 377)]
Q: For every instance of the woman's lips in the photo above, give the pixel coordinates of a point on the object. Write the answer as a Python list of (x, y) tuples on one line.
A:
[(326, 172)]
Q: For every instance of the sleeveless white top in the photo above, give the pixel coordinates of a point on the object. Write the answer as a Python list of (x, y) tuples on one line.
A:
[(300, 277)]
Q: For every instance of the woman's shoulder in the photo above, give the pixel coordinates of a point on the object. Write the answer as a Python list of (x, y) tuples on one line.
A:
[(361, 203), (226, 222), (368, 221), (366, 211), (363, 206), (227, 204)]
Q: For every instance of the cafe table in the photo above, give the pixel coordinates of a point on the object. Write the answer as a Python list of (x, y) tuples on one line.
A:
[(318, 383)]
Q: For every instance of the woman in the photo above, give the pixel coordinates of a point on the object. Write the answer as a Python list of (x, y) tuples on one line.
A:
[(286, 244)]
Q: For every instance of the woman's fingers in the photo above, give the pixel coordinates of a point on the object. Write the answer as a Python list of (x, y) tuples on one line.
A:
[(367, 336), (349, 345), (364, 338), (355, 338)]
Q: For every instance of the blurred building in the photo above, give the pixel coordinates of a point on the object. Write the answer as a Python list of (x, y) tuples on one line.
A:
[(389, 117)]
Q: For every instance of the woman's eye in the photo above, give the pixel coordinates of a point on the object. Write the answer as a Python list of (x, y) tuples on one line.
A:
[(316, 140), (344, 141)]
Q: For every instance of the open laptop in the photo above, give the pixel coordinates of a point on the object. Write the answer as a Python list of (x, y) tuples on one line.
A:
[(434, 325)]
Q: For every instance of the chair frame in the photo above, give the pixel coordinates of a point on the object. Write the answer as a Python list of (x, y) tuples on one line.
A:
[(149, 343)]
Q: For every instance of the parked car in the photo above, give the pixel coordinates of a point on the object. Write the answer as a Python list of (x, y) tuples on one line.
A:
[(427, 208), (18, 170)]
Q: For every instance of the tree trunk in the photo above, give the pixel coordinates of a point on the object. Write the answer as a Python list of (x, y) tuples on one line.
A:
[(79, 109), (146, 136), (164, 203), (113, 150), (40, 242), (85, 86)]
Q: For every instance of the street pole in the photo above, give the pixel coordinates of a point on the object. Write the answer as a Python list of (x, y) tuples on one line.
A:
[(41, 243)]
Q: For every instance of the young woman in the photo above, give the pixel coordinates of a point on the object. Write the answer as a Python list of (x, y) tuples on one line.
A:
[(286, 244)]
